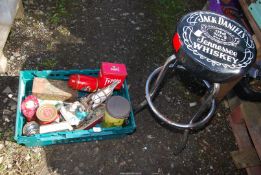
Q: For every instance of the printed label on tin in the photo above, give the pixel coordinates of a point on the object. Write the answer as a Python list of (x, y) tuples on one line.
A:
[(217, 40), (109, 81)]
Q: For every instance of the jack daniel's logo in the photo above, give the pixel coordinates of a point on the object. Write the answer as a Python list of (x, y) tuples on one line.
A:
[(217, 40), (221, 21)]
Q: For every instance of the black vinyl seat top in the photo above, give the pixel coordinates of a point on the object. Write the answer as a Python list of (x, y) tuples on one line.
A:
[(213, 46)]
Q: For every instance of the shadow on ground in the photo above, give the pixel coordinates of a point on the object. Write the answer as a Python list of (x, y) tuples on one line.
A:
[(8, 97)]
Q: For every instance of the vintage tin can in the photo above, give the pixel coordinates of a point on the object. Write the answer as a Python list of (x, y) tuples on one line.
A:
[(110, 72), (29, 107), (117, 111), (46, 114), (83, 82), (31, 128)]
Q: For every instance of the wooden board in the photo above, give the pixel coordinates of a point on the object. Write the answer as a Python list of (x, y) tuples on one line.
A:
[(246, 158), (252, 117), (241, 135), (243, 140)]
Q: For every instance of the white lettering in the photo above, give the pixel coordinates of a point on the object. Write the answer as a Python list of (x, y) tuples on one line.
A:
[(108, 81), (229, 25), (197, 46), (209, 19), (215, 46), (215, 53)]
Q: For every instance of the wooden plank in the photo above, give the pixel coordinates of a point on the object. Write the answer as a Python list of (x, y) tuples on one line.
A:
[(233, 101), (252, 115), (236, 115), (244, 4), (246, 158), (258, 48), (243, 141), (241, 135)]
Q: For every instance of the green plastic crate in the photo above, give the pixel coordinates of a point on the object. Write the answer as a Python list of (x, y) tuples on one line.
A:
[(25, 89)]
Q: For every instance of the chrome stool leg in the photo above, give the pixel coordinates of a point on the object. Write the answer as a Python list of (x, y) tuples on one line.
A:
[(209, 98)]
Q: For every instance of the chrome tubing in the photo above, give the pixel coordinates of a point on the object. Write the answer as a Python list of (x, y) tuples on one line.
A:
[(169, 63), (192, 125)]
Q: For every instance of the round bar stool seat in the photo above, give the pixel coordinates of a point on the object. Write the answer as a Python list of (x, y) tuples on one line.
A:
[(213, 47)]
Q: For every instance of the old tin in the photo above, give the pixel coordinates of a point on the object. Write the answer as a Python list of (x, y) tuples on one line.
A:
[(29, 107), (31, 128), (111, 72), (46, 114), (213, 46), (117, 110), (83, 82)]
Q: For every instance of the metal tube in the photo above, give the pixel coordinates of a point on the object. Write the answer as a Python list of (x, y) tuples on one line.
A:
[(191, 124), (167, 64), (162, 73)]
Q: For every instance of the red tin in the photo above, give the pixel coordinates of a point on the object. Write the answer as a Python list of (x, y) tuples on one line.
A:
[(29, 107), (83, 82), (110, 72)]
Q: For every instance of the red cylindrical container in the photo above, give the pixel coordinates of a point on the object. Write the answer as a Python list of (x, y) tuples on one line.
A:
[(83, 82), (29, 107)]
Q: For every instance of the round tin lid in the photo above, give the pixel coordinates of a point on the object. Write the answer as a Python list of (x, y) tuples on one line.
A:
[(118, 107), (215, 42), (31, 128), (47, 113)]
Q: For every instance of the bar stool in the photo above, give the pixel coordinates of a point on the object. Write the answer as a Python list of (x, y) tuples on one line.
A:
[(212, 47)]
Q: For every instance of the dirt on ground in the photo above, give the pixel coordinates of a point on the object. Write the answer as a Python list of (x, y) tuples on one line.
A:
[(63, 34)]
